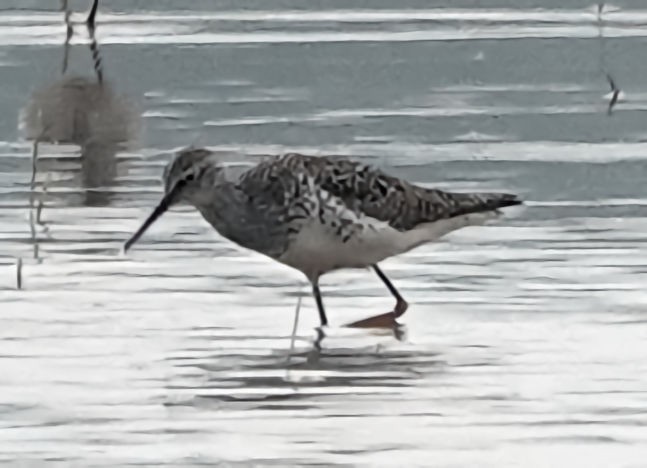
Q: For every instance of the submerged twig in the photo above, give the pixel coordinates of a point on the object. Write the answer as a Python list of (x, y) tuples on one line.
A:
[(34, 157), (68, 35), (91, 25), (44, 129), (34, 169), (32, 226), (615, 94), (294, 328), (19, 273), (41, 203), (615, 91), (94, 46), (39, 210), (34, 165)]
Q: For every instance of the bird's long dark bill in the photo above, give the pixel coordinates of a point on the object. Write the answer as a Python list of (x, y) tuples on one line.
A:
[(159, 210)]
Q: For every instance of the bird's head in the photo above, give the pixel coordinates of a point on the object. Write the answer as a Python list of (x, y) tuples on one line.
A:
[(187, 179)]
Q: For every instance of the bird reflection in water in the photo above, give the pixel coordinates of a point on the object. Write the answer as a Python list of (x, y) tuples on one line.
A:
[(201, 366), (84, 112)]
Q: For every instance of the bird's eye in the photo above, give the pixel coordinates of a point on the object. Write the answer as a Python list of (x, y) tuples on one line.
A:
[(190, 176)]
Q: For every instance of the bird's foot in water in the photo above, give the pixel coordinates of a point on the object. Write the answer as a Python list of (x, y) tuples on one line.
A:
[(386, 321)]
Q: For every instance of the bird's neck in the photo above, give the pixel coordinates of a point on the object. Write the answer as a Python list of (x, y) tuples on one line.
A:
[(217, 204), (235, 218)]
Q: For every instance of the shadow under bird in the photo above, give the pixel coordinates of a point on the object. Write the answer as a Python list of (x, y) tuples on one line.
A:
[(319, 214)]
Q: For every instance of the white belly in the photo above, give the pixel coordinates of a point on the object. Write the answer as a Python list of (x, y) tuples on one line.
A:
[(317, 249)]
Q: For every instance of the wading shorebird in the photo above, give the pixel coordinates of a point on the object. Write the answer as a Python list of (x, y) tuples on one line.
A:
[(319, 214)]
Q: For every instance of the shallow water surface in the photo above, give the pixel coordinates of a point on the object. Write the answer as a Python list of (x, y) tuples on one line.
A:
[(525, 339)]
